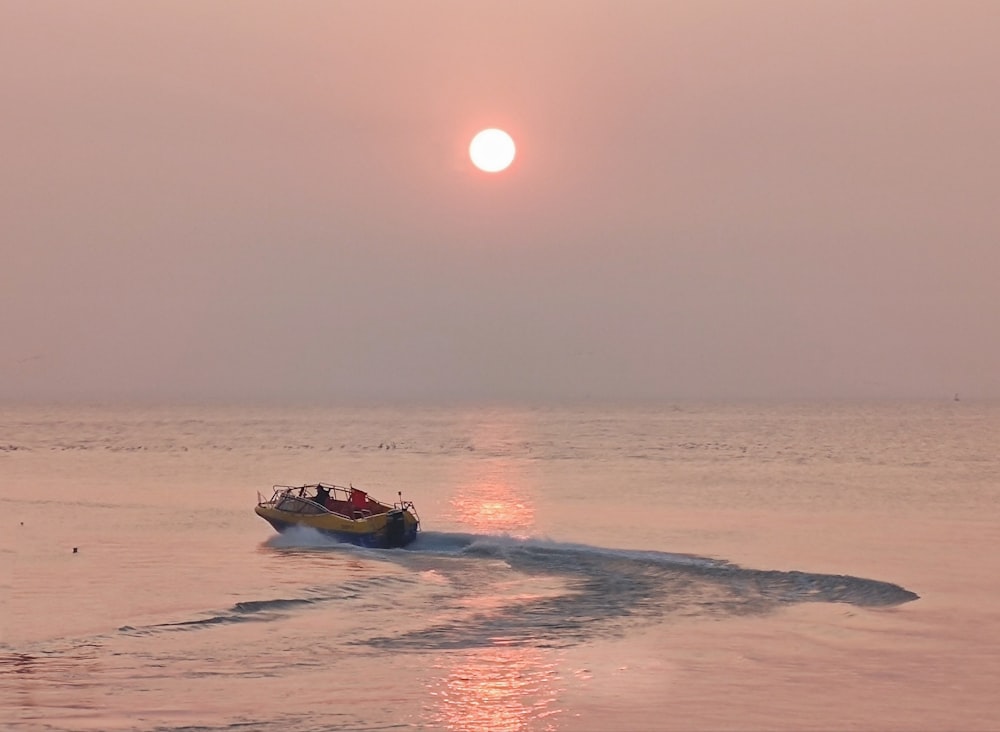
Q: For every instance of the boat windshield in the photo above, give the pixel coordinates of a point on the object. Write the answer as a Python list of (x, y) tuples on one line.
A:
[(298, 504)]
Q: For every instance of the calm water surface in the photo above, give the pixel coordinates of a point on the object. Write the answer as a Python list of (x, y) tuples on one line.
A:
[(670, 567)]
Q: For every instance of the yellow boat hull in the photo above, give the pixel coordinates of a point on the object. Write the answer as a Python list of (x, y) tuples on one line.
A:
[(394, 528)]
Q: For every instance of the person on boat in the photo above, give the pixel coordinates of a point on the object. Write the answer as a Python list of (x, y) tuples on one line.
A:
[(322, 495)]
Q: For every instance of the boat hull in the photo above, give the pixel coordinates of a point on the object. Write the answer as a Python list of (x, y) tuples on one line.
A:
[(381, 531)]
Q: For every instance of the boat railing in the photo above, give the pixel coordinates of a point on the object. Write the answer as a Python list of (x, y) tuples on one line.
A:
[(406, 506), (300, 491)]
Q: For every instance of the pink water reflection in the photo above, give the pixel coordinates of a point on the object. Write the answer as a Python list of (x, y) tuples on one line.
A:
[(496, 501), (501, 689)]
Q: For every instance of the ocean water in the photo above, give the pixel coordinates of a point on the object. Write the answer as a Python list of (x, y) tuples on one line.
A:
[(688, 566)]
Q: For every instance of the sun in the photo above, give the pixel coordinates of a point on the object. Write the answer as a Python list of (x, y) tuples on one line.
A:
[(492, 150)]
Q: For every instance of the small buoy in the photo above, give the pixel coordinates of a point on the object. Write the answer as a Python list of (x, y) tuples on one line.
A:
[(74, 550)]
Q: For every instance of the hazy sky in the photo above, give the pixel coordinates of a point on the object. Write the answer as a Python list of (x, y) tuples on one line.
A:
[(267, 200)]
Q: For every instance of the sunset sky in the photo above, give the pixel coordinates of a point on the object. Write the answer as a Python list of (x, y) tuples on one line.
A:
[(711, 199)]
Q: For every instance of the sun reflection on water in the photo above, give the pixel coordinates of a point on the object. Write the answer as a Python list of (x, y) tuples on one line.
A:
[(495, 502), (500, 688), (493, 494)]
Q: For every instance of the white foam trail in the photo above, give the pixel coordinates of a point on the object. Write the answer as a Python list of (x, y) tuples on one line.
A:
[(498, 546), (440, 542), (301, 537)]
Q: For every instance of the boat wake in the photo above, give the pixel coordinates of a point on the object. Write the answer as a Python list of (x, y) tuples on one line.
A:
[(507, 590), (264, 611)]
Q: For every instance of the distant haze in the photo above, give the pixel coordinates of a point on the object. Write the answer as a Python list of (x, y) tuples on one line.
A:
[(273, 200)]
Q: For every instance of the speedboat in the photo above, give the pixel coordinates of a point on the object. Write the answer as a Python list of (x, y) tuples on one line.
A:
[(346, 514)]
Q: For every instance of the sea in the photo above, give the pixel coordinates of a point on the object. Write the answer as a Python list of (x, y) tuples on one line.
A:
[(597, 567)]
